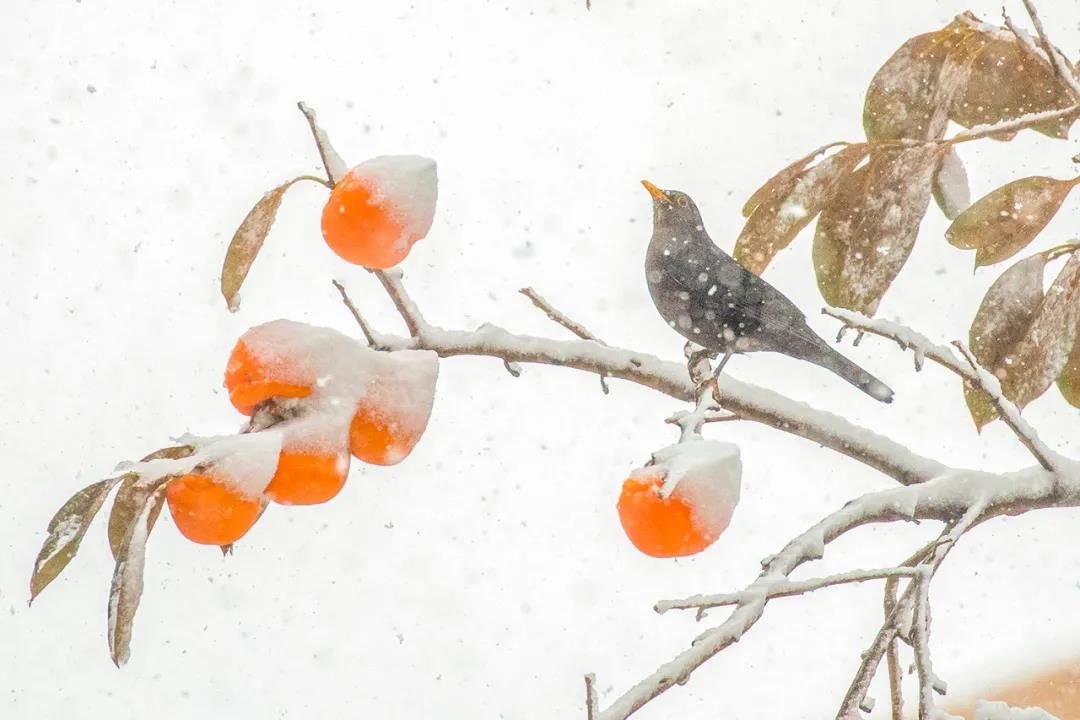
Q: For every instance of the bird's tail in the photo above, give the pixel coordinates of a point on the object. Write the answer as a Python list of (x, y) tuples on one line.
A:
[(821, 353)]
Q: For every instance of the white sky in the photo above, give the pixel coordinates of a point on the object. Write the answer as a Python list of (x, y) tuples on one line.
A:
[(487, 574)]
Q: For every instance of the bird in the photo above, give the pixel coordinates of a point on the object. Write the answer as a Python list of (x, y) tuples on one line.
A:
[(713, 301)]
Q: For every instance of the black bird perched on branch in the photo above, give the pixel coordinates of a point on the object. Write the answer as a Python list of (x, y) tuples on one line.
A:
[(713, 301)]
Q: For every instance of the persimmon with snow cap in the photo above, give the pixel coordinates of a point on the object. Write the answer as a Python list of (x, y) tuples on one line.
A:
[(380, 209), (209, 512), (394, 410), (681, 503)]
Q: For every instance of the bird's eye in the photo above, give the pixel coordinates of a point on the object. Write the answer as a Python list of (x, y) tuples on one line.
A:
[(683, 202)]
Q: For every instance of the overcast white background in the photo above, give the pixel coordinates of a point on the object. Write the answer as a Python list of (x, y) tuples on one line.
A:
[(484, 576)]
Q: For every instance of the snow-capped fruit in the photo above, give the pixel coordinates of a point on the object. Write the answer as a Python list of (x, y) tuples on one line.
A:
[(394, 410), (380, 209), (250, 382), (208, 512), (308, 478), (681, 503)]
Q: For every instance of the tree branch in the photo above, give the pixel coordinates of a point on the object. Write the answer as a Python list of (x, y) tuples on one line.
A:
[(969, 371), (571, 325), (1061, 68), (369, 334)]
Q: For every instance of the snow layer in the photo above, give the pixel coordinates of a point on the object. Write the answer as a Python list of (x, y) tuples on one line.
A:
[(706, 475), (987, 710), (408, 185)]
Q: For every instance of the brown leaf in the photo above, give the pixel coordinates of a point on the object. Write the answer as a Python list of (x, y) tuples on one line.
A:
[(780, 184), (248, 240), (1039, 358), (950, 185), (866, 232), (132, 495), (66, 531), (1068, 382), (1001, 322), (127, 581), (790, 205), (910, 96), (1001, 224), (1006, 82)]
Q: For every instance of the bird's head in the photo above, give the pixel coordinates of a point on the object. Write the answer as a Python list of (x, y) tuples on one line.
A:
[(672, 207)]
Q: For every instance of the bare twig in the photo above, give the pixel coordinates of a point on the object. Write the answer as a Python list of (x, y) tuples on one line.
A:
[(970, 371), (1061, 68), (785, 588), (333, 164), (592, 704), (369, 334), (392, 282), (564, 320)]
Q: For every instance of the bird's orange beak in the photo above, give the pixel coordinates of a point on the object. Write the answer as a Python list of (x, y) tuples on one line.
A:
[(656, 192)]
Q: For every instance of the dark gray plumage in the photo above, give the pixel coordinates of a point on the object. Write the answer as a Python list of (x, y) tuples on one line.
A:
[(713, 301)]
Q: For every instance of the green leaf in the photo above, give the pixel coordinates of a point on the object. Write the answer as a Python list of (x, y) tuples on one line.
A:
[(1004, 222), (1001, 323), (866, 231), (790, 205), (66, 531), (127, 582), (248, 240)]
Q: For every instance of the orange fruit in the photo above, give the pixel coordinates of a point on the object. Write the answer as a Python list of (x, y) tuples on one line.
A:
[(308, 478), (658, 526), (380, 209), (361, 229), (376, 438), (249, 383), (207, 512)]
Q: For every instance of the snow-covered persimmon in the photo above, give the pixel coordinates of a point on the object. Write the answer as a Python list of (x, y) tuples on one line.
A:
[(702, 479), (209, 512), (308, 478), (380, 209), (394, 410), (252, 381)]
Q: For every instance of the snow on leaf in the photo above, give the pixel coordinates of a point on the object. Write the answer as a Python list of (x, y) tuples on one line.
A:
[(866, 231), (1004, 222), (66, 531), (790, 204), (780, 184), (247, 241), (950, 185), (1001, 322), (910, 95), (131, 497), (127, 581)]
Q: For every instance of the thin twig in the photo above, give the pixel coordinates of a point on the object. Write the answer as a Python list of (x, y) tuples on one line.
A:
[(564, 320), (410, 313), (369, 334), (969, 370), (332, 163), (786, 588), (592, 704), (1061, 68)]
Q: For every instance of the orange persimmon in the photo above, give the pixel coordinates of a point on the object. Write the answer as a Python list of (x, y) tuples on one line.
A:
[(249, 383), (308, 478), (658, 526), (208, 512)]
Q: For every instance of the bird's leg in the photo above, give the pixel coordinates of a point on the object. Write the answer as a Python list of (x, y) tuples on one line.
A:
[(723, 361)]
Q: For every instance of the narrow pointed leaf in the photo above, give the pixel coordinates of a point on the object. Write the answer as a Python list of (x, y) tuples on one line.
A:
[(781, 183), (66, 531), (247, 241), (910, 95), (127, 582), (1068, 382), (1001, 322), (779, 218), (950, 185), (1004, 222), (131, 498), (866, 231)]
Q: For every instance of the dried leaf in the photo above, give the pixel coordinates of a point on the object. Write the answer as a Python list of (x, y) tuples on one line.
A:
[(866, 232), (1068, 382), (127, 581), (1001, 323), (1039, 358), (247, 241), (790, 206), (910, 96), (950, 185), (66, 531), (1006, 82), (780, 184), (132, 495), (1001, 224)]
